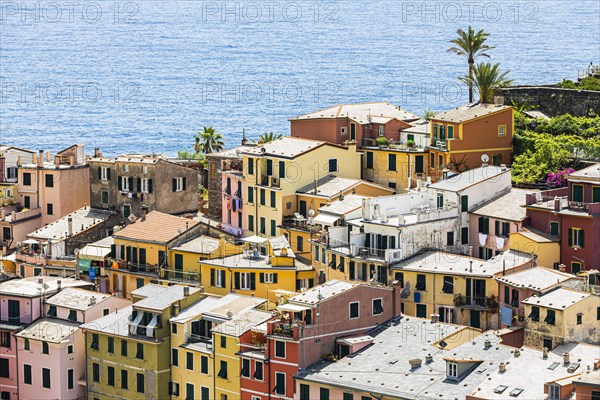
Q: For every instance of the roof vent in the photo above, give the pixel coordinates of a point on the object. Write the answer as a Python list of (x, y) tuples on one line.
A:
[(92, 300), (502, 367), (488, 343), (428, 359), (415, 363), (566, 358), (186, 290), (517, 352)]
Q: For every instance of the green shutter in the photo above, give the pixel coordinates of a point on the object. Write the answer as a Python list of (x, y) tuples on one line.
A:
[(237, 280), (570, 236), (149, 185)]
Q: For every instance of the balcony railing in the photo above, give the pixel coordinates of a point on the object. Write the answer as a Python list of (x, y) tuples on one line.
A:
[(15, 321), (283, 329), (181, 276), (133, 267), (290, 221)]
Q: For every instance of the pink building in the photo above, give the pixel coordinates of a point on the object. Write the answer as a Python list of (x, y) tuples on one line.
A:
[(51, 352), (20, 304), (491, 224), (232, 217)]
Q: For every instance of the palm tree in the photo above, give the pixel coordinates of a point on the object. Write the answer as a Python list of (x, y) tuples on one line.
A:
[(269, 137), (208, 141), (470, 45), (487, 79)]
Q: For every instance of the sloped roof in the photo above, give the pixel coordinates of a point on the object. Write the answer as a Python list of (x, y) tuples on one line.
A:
[(157, 227), (468, 112), (360, 112), (286, 147)]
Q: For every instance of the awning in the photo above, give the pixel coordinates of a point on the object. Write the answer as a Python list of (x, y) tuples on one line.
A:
[(30, 241), (292, 308), (84, 265), (325, 219), (254, 239), (97, 253)]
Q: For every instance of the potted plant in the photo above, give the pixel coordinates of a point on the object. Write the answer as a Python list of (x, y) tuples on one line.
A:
[(411, 144), (382, 142), (459, 300)]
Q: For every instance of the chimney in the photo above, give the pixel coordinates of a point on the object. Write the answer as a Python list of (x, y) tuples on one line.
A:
[(186, 291), (144, 212), (517, 352), (557, 204), (562, 267), (48, 156), (19, 161), (4, 250), (40, 280), (40, 159), (97, 153), (59, 284), (13, 215), (428, 359), (502, 367), (69, 226), (545, 352), (175, 310), (92, 300), (597, 363), (415, 363), (3, 214), (244, 140), (445, 174), (498, 101), (435, 318), (566, 358), (487, 344)]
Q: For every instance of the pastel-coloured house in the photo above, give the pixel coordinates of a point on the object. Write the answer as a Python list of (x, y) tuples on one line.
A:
[(51, 352)]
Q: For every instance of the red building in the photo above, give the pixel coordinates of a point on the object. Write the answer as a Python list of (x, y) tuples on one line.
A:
[(571, 213), (312, 325)]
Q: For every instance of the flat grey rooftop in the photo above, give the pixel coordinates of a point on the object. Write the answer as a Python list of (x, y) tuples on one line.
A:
[(217, 307), (285, 147), (30, 287), (506, 207), (537, 278), (51, 330), (558, 299), (164, 299), (341, 207), (83, 219), (115, 323), (242, 322), (459, 182), (329, 186), (76, 299), (591, 172), (199, 245), (456, 264), (322, 292)]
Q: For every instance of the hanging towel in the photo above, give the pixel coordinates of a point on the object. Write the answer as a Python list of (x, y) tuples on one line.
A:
[(482, 239), (499, 242)]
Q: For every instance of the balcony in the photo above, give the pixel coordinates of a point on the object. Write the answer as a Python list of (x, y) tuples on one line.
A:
[(558, 200), (15, 321), (291, 222), (151, 269), (270, 181), (476, 302), (182, 276)]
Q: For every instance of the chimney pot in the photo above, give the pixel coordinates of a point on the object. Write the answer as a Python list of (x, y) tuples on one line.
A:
[(3, 215), (502, 367), (545, 352), (59, 284), (186, 290), (566, 358)]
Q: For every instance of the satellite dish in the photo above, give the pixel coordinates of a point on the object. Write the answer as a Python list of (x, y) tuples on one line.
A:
[(485, 158), (311, 212)]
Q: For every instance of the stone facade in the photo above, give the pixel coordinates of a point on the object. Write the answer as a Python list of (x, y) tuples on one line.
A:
[(217, 163), (555, 101)]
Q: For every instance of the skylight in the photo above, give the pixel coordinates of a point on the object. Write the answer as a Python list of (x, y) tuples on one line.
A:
[(516, 392), (553, 365), (500, 389)]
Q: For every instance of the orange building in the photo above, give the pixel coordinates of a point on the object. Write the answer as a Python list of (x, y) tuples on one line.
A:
[(459, 137)]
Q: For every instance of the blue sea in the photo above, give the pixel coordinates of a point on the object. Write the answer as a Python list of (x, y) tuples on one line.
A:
[(144, 76)]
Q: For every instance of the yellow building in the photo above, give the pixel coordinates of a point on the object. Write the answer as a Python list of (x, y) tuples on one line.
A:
[(546, 247), (227, 339), (141, 250), (395, 166), (460, 289), (128, 351), (561, 316), (192, 348), (274, 172), (266, 268)]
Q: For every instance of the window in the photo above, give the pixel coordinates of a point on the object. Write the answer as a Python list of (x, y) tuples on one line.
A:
[(5, 340), (279, 349), (111, 376), (421, 310), (440, 161), (333, 165), (139, 354), (464, 203), (189, 360), (279, 383), (111, 345), (450, 132), (95, 342), (245, 372), (304, 392), (250, 195), (579, 318), (343, 130), (377, 307), (268, 277), (145, 185), (244, 280), (595, 194), (534, 315), (464, 235), (4, 369), (179, 184), (205, 393), (250, 166), (550, 317), (501, 130), (189, 391), (251, 223), (554, 228), (432, 160), (300, 243), (553, 392), (354, 310), (452, 369), (269, 167), (323, 394), (392, 185), (124, 348), (104, 196), (204, 364), (391, 162), (46, 378), (575, 267), (72, 315), (348, 396), (174, 328), (70, 349), (26, 179), (49, 180), (450, 239), (263, 197), (576, 237), (223, 342), (421, 282), (273, 227), (26, 344), (515, 298), (70, 379), (263, 223), (484, 225), (273, 199), (501, 228), (140, 383), (223, 370), (448, 284), (52, 311), (369, 159), (50, 209), (174, 389), (380, 130), (96, 372), (26, 373), (45, 348), (258, 370), (124, 379)]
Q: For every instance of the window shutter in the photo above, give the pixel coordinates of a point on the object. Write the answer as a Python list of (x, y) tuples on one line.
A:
[(108, 173), (149, 185), (275, 277), (113, 250), (174, 184), (139, 185), (368, 240), (252, 281), (130, 182), (99, 173), (212, 277), (222, 272), (297, 285), (581, 239), (184, 184), (497, 227), (262, 277), (120, 184), (311, 282), (570, 237), (237, 280)]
